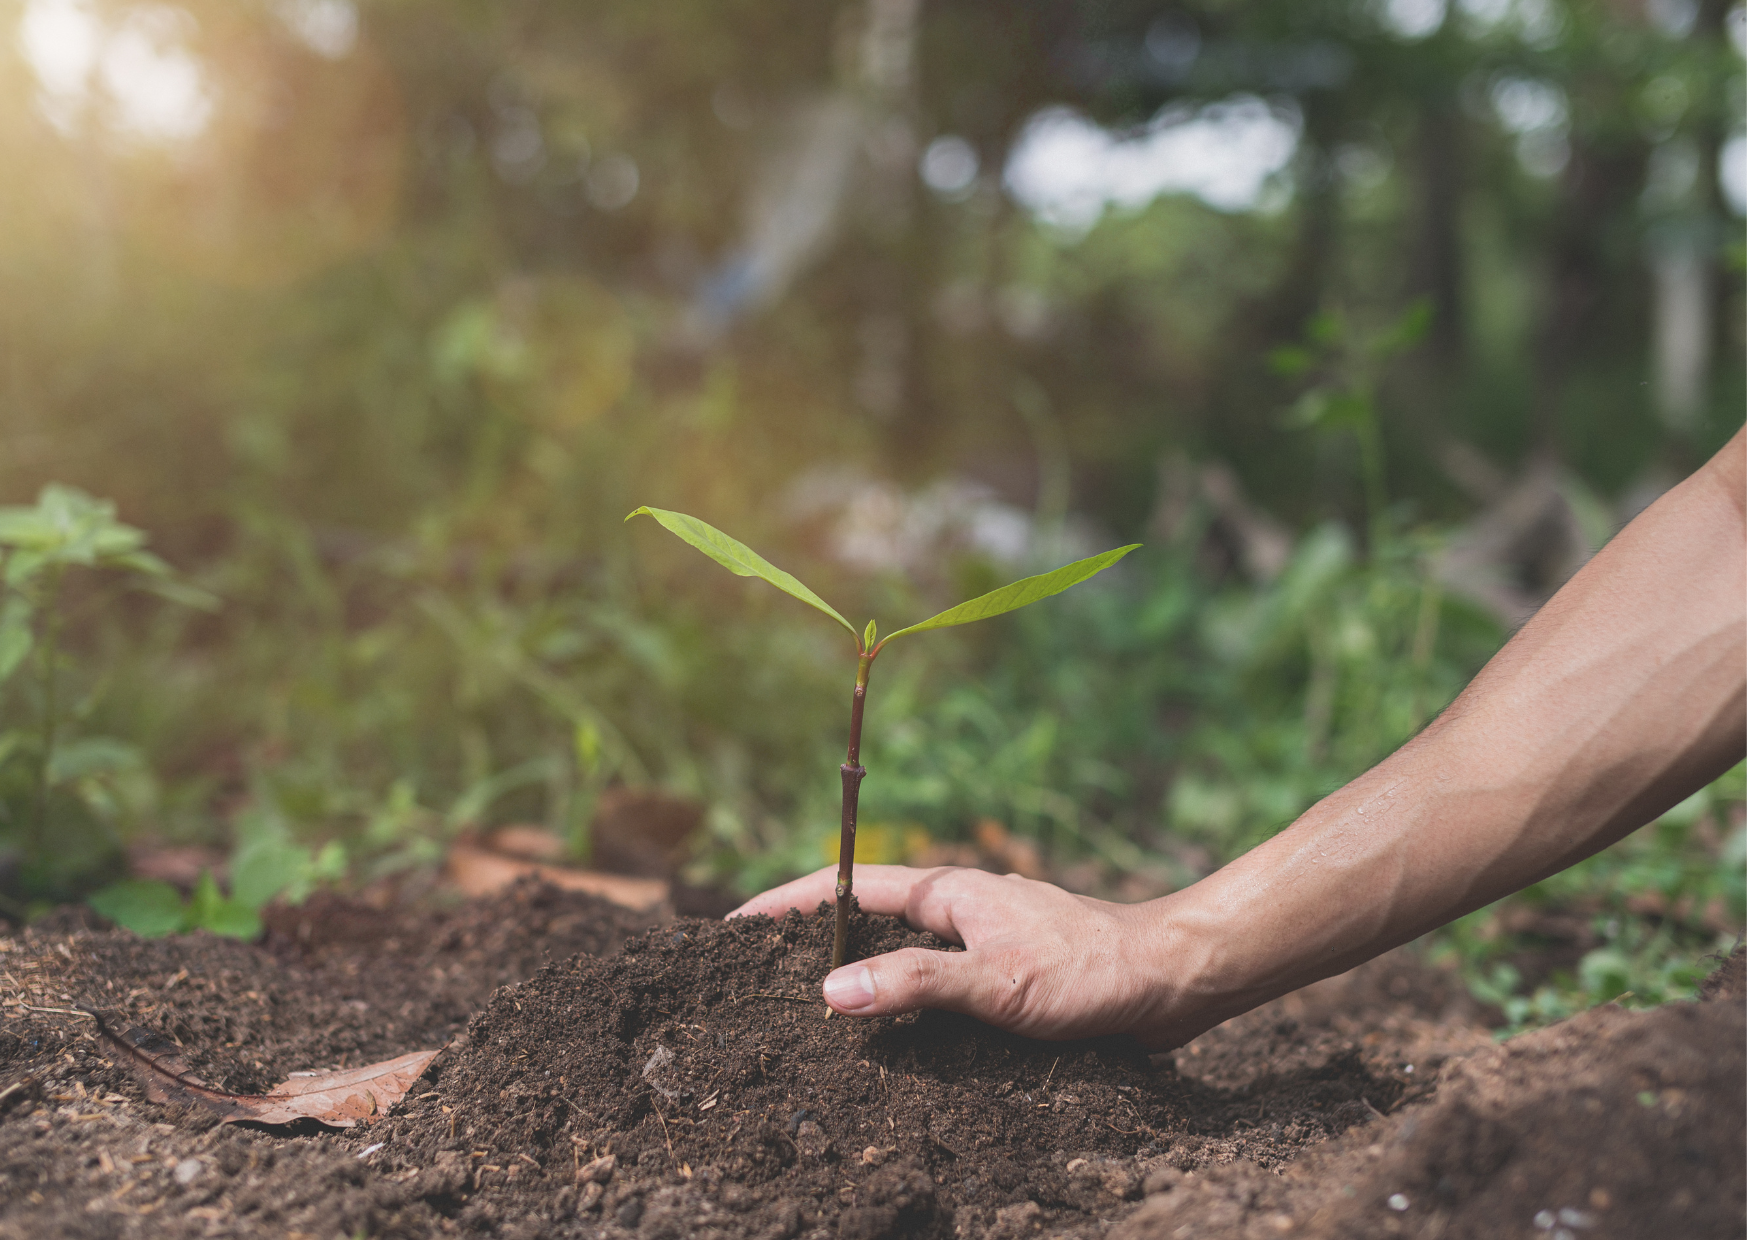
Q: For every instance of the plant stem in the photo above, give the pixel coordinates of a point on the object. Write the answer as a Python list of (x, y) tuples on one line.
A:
[(852, 773)]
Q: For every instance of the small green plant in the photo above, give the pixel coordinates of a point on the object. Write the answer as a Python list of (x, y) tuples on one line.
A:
[(1348, 366), (65, 529), (265, 865), (152, 908), (744, 562), (42, 758)]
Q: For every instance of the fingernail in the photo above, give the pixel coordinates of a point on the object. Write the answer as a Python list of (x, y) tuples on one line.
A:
[(851, 988)]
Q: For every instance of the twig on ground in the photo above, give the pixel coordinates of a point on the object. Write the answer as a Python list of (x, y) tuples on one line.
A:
[(658, 1114)]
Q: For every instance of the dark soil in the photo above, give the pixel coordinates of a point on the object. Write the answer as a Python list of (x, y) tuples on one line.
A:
[(1612, 1123), (691, 1085)]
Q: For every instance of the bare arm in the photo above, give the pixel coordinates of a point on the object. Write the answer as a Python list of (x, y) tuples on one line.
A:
[(1624, 694)]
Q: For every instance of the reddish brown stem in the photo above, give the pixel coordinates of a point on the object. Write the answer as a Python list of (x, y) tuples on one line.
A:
[(852, 773)]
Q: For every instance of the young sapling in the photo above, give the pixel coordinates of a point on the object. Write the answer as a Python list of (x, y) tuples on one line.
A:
[(744, 562)]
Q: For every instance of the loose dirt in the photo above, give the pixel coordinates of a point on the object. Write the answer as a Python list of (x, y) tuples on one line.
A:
[(605, 1078)]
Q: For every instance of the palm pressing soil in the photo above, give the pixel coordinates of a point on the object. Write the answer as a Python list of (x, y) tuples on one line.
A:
[(691, 1085)]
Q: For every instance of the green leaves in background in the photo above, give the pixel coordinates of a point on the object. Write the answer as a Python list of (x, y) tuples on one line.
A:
[(737, 557), (208, 909), (152, 909), (1021, 593), (148, 907), (67, 527), (266, 865), (16, 637)]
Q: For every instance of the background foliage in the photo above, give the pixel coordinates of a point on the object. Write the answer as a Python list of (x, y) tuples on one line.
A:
[(382, 333)]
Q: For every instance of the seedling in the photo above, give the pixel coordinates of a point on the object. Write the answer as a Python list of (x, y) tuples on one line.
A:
[(744, 562)]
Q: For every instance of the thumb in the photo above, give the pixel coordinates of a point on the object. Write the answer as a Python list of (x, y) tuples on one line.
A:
[(903, 981)]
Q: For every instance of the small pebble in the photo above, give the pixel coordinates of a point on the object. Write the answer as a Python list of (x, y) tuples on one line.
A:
[(1544, 1219), (1397, 1202), (186, 1170)]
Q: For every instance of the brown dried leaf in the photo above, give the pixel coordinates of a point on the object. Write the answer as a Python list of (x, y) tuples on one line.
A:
[(339, 1099), (343, 1098), (478, 871)]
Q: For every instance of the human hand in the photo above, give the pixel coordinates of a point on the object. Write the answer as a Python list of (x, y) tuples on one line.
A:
[(1038, 960)]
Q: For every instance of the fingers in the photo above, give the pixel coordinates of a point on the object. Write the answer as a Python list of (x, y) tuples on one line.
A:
[(902, 981), (803, 893), (995, 987), (878, 888)]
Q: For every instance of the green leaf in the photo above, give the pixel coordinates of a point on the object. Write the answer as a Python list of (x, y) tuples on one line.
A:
[(588, 746), (143, 562), (233, 920), (1291, 360), (151, 909), (470, 807), (15, 636), (1324, 328), (330, 863), (1020, 593), (1408, 330), (737, 557), (209, 910), (868, 636), (92, 755), (23, 564), (265, 867), (1327, 408)]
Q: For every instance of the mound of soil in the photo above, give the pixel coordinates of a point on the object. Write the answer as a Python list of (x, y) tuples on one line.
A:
[(1612, 1123), (691, 1085), (702, 1063)]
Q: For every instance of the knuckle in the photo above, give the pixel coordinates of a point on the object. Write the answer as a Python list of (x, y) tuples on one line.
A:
[(919, 975)]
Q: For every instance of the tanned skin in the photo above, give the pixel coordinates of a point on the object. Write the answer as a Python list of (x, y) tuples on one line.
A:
[(1621, 696)]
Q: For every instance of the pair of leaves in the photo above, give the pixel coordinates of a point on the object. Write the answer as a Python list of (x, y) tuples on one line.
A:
[(339, 1099), (743, 561)]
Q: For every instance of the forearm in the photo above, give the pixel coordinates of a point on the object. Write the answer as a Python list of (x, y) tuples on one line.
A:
[(1621, 696), (1624, 694)]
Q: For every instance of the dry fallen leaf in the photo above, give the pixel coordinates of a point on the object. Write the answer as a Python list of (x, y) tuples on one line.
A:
[(479, 871), (339, 1099)]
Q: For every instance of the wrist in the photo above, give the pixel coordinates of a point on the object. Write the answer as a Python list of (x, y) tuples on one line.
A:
[(1189, 978)]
